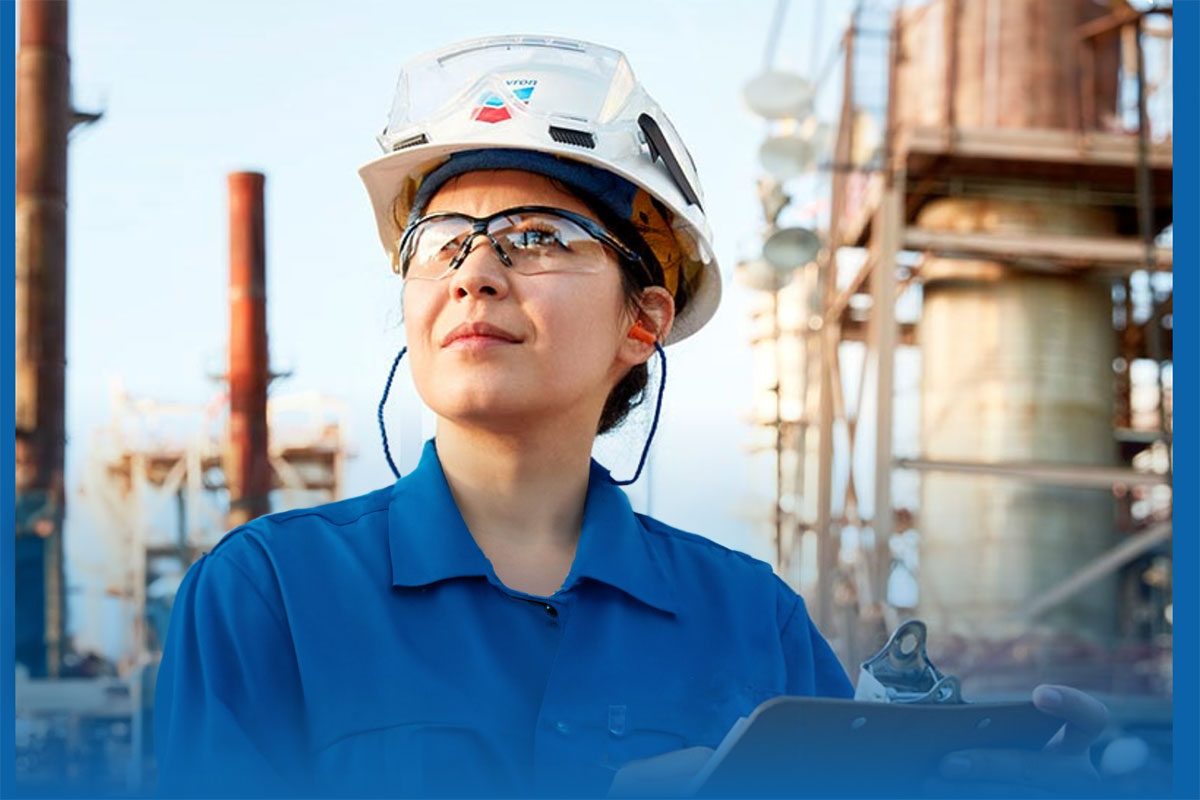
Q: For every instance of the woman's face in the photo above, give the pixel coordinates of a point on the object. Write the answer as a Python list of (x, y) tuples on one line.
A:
[(560, 337)]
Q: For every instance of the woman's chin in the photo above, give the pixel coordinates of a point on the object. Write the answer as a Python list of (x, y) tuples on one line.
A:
[(487, 411)]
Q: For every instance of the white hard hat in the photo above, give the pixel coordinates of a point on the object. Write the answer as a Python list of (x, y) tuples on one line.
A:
[(573, 100)]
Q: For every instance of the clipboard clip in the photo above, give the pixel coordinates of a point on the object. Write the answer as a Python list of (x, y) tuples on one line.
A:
[(902, 673)]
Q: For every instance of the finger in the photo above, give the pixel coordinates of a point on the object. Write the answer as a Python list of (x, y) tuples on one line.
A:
[(1085, 717), (1042, 770)]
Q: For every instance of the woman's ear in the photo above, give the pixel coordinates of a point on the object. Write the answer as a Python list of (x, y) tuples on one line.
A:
[(655, 315), (656, 311)]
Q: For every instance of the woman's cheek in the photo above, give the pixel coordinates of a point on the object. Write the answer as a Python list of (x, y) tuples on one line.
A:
[(584, 346), (419, 313), (418, 325)]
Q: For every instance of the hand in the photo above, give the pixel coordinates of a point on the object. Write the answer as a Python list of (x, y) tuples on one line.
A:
[(1062, 767), (666, 775)]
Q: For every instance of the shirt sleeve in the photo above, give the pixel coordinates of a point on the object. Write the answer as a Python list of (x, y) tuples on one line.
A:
[(813, 669), (228, 717)]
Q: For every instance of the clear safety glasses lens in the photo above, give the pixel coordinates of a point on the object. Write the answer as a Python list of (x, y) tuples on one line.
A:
[(528, 242)]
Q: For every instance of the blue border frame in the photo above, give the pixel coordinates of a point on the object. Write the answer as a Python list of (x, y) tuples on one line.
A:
[(1187, 428), (1186, 602), (8, 17)]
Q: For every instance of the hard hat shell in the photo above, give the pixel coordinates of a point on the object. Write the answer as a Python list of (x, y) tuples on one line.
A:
[(562, 97)]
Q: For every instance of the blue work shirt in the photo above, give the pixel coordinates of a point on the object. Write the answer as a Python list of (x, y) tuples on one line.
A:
[(367, 647)]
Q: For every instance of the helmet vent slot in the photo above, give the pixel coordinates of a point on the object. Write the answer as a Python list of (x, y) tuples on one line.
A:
[(572, 136), (411, 141)]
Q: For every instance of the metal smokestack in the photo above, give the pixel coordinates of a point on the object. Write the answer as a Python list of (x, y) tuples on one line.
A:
[(43, 119), (246, 467)]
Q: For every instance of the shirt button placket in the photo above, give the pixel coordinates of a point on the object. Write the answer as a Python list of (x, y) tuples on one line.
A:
[(557, 739)]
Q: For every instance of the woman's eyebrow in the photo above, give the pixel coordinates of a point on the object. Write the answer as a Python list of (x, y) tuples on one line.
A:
[(523, 223), (521, 220)]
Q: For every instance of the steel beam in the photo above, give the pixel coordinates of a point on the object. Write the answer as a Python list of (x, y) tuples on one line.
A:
[(1080, 476), (883, 334), (1112, 560), (1083, 252)]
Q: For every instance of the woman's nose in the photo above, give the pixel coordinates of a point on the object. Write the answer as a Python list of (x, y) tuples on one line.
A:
[(481, 273)]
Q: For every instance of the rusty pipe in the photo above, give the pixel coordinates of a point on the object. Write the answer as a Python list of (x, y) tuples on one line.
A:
[(247, 468), (43, 119)]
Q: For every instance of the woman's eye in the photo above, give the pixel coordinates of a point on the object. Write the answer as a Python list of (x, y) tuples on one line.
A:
[(449, 248), (536, 237)]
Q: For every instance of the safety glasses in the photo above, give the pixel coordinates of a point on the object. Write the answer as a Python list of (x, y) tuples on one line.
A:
[(530, 240)]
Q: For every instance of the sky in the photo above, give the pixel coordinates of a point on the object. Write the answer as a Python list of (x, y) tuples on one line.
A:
[(191, 92)]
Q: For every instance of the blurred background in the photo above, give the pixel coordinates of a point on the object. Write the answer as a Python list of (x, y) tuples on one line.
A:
[(939, 385)]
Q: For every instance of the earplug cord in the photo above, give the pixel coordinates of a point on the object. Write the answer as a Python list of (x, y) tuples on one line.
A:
[(382, 402), (662, 386)]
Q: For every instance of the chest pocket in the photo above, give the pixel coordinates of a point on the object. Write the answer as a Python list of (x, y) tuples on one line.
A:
[(422, 759), (625, 732), (407, 743)]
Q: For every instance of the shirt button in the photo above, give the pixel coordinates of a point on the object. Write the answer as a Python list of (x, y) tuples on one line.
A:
[(551, 610), (562, 727)]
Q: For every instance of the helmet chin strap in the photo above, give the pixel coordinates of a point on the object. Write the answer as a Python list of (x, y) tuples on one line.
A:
[(662, 385)]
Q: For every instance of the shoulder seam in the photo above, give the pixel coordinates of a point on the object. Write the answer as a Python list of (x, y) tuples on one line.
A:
[(675, 534), (312, 512), (254, 588), (791, 615)]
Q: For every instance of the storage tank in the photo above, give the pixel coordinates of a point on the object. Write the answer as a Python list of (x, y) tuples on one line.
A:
[(1016, 364), (1016, 367), (1006, 63)]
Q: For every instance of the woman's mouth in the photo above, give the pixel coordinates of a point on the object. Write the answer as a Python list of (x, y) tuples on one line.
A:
[(478, 335)]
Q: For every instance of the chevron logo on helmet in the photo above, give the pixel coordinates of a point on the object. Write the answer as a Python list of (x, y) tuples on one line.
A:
[(491, 106)]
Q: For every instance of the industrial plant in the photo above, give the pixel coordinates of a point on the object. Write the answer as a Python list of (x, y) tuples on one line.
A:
[(961, 336)]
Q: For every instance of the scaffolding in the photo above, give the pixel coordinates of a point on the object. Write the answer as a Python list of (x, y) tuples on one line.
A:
[(866, 289), (155, 480)]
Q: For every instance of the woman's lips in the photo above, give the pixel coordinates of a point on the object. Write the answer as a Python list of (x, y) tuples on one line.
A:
[(473, 343), (478, 335)]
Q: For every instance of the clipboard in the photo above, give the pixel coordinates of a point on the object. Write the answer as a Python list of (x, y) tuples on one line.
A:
[(816, 746)]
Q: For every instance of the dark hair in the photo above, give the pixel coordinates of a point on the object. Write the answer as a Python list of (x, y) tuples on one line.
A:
[(630, 390)]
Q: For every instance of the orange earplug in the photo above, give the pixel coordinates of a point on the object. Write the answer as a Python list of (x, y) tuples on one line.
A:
[(641, 334)]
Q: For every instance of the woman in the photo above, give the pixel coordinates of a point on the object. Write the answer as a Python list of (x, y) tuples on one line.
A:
[(499, 621)]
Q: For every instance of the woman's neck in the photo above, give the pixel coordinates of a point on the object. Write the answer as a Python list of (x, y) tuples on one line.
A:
[(521, 493)]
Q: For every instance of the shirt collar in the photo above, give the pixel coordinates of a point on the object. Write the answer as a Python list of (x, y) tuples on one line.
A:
[(429, 541)]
